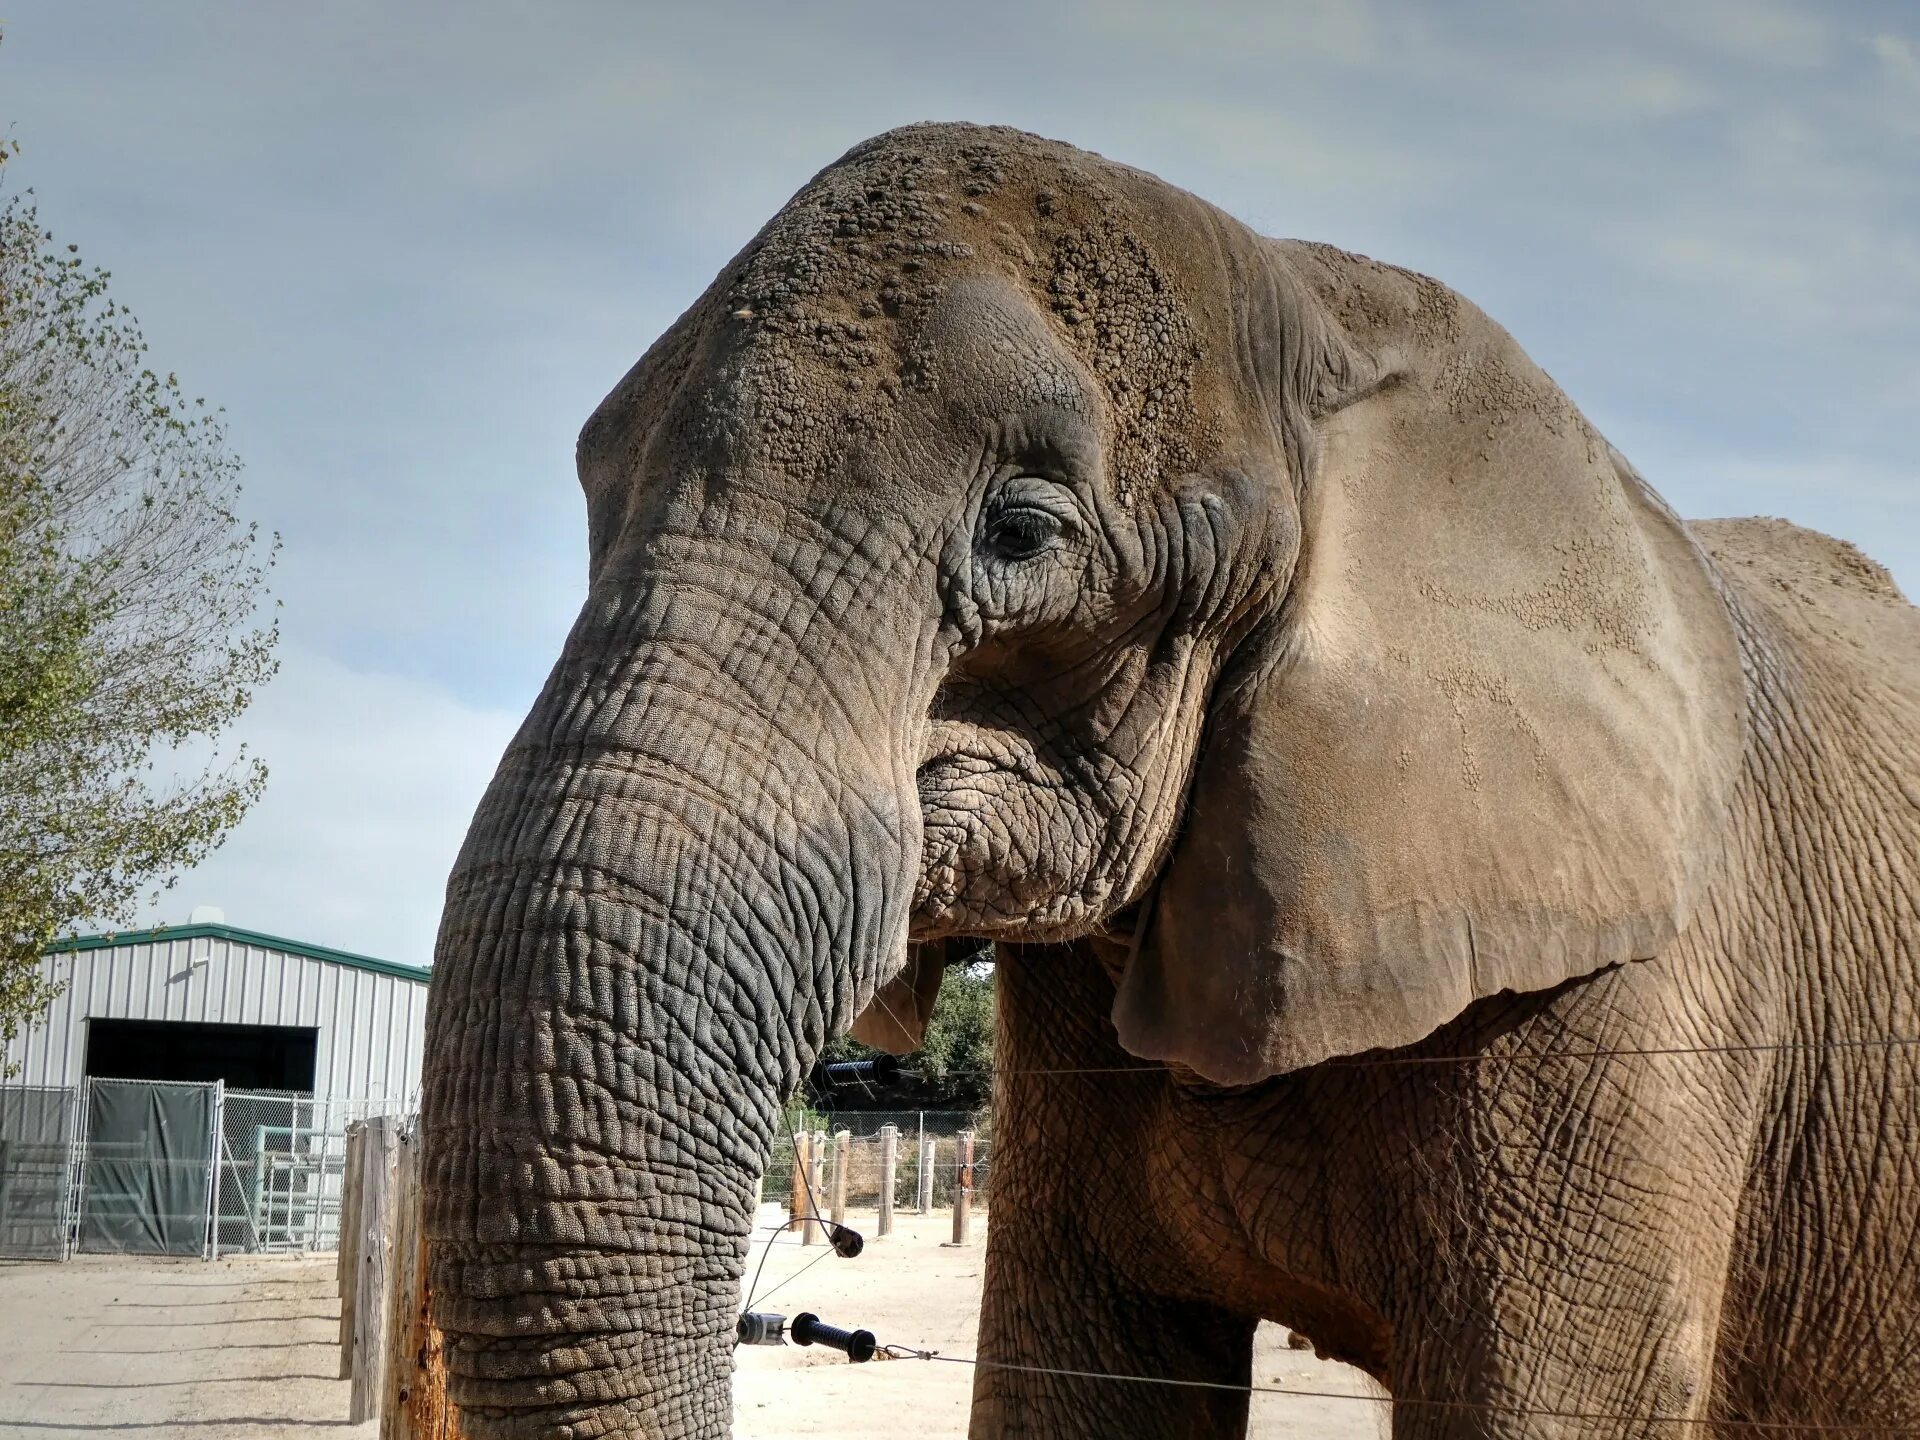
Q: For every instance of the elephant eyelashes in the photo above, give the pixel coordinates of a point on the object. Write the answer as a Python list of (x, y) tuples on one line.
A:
[(1021, 532)]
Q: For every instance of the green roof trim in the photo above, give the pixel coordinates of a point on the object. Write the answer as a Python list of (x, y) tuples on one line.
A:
[(160, 935)]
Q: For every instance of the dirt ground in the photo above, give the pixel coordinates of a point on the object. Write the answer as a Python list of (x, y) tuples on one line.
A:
[(237, 1350), (246, 1349), (912, 1290)]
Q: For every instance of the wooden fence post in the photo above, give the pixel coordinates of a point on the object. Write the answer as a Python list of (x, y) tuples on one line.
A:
[(889, 1148), (403, 1290), (925, 1177), (799, 1207), (416, 1406), (375, 1226), (962, 1185), (348, 1268), (803, 1145), (817, 1178), (842, 1157)]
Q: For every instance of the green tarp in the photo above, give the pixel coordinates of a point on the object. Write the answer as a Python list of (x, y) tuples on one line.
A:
[(149, 1153)]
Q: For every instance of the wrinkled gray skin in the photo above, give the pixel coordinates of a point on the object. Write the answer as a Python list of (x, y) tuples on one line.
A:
[(1254, 643)]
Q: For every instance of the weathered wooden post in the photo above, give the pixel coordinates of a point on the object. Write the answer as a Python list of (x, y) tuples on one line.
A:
[(889, 1148), (817, 1182), (347, 1275), (370, 1290), (842, 1157), (416, 1406), (797, 1187), (962, 1185), (925, 1176), (402, 1289)]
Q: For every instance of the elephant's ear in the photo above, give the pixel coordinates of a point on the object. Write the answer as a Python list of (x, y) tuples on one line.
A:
[(1487, 741), (895, 1020)]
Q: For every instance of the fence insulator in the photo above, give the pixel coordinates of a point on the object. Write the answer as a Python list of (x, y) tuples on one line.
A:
[(846, 1241), (857, 1345), (759, 1327)]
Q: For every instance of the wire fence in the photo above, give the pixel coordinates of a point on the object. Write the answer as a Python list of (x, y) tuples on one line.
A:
[(926, 1157), (37, 1124), (170, 1168), (282, 1165), (272, 1166)]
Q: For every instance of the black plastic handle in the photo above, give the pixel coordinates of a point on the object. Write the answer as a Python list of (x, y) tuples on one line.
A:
[(857, 1345)]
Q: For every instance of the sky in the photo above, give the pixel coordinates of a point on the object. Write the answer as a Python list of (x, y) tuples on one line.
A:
[(408, 248)]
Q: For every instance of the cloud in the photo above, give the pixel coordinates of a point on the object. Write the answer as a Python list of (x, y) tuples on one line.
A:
[(1873, 504), (373, 778), (1900, 55), (1341, 32), (1771, 33), (409, 248)]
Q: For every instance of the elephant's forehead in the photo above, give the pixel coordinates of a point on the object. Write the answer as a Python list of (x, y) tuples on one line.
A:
[(1090, 321), (989, 351), (942, 269)]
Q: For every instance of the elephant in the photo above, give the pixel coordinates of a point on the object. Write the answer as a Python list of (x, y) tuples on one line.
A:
[(1443, 902)]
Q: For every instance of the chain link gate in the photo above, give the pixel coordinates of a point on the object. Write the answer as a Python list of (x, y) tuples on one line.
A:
[(39, 1131), (161, 1167)]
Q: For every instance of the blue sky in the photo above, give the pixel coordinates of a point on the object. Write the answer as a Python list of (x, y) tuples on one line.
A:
[(409, 247)]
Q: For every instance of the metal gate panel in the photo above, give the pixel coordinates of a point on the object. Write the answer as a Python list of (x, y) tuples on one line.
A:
[(149, 1167), (37, 1136)]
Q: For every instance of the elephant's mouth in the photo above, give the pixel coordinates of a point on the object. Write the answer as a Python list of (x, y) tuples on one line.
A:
[(1010, 843)]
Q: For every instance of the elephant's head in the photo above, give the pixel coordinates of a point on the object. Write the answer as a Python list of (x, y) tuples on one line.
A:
[(1010, 544)]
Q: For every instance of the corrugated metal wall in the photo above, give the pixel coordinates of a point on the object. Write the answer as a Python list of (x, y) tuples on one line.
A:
[(371, 1025)]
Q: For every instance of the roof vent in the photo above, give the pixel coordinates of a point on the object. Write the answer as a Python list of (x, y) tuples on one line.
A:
[(207, 915)]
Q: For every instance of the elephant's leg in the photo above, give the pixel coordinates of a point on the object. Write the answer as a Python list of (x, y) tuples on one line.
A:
[(1079, 1267), (1638, 1372), (1052, 1309), (1577, 1221)]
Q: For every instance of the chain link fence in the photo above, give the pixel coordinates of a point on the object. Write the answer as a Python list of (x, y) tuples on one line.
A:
[(168, 1168), (159, 1167), (282, 1163), (39, 1125)]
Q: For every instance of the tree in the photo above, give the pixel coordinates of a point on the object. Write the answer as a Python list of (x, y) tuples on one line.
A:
[(131, 602), (956, 1059), (953, 1069)]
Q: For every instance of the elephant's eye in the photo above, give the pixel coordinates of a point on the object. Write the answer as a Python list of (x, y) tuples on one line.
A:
[(1021, 532)]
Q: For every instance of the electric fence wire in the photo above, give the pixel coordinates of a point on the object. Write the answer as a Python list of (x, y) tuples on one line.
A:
[(1542, 1057), (795, 1276), (1776, 1427), (813, 1205)]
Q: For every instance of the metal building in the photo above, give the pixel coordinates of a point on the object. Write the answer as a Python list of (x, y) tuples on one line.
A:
[(208, 1001), (188, 1092)]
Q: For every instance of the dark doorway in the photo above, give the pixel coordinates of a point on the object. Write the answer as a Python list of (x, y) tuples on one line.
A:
[(247, 1057)]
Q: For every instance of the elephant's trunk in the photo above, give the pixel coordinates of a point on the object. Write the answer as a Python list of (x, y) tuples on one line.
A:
[(668, 901)]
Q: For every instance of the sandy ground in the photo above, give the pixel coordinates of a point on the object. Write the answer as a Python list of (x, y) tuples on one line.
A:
[(911, 1290), (246, 1349), (237, 1350)]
